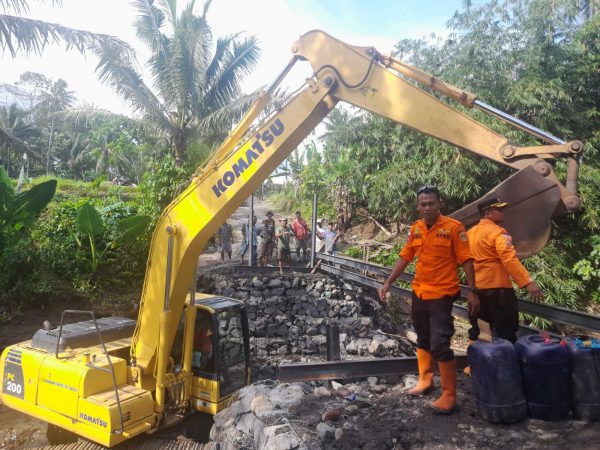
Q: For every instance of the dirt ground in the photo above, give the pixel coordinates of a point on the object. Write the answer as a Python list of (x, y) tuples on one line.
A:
[(394, 420)]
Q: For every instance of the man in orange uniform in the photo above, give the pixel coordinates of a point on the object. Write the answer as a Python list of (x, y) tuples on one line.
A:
[(440, 244), (496, 263)]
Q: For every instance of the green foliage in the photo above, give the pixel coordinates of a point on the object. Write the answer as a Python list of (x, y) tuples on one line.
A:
[(354, 252), (160, 185), (91, 227), (588, 269), (18, 211), (388, 257)]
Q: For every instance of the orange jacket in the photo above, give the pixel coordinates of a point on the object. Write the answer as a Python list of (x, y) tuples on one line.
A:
[(438, 251), (495, 257)]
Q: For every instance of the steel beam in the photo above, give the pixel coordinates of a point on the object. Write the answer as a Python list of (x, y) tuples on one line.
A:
[(553, 313), (339, 370)]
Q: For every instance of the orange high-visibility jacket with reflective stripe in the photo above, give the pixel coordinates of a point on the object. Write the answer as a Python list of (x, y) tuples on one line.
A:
[(495, 257), (438, 250)]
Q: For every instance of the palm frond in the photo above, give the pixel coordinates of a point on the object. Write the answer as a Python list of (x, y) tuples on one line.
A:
[(119, 73), (149, 23), (23, 35), (237, 62)]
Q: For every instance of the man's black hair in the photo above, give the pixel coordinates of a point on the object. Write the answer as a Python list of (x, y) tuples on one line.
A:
[(428, 189)]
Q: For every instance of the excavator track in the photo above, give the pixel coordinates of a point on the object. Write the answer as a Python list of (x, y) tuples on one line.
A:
[(144, 444)]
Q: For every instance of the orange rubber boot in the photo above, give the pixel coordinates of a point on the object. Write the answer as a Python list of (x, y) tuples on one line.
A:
[(467, 370), (445, 404), (425, 383)]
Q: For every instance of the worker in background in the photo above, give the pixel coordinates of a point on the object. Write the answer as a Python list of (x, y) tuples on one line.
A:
[(267, 239), (203, 348), (440, 244), (330, 237), (319, 243), (301, 234), (224, 239), (496, 262), (283, 233)]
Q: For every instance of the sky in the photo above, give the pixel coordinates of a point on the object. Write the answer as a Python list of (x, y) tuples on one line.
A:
[(276, 24)]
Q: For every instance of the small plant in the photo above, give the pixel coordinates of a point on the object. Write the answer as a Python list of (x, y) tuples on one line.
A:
[(18, 211), (589, 269), (91, 228), (354, 252)]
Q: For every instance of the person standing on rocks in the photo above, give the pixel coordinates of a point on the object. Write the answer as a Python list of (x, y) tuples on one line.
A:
[(267, 236), (440, 244), (301, 234), (496, 263), (283, 233), (224, 239)]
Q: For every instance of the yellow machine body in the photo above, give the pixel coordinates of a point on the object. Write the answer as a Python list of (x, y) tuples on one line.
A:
[(76, 391)]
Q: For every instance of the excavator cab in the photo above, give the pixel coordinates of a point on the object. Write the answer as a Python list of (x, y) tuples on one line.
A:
[(220, 352)]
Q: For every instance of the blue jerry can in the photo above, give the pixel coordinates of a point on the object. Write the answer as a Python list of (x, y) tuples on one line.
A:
[(546, 376), (497, 382), (585, 378)]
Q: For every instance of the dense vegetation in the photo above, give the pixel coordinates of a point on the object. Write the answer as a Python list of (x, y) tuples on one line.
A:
[(535, 59)]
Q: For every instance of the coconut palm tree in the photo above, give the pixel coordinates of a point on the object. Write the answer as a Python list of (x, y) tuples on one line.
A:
[(14, 133), (20, 35), (51, 101), (195, 93)]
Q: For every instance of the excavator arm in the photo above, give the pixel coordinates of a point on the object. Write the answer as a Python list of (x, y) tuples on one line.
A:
[(364, 78)]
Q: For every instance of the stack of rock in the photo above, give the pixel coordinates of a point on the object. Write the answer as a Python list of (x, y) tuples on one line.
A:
[(288, 315)]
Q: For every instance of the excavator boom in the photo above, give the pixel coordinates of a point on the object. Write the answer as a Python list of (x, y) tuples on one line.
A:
[(361, 77)]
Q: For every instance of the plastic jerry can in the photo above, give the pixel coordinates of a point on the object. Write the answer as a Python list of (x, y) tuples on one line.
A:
[(497, 382), (546, 376), (585, 378)]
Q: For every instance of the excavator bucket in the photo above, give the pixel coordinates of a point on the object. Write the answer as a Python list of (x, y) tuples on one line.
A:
[(532, 199)]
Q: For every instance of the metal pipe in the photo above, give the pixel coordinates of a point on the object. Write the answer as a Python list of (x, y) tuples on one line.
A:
[(282, 75), (333, 342), (313, 239), (548, 137), (250, 230)]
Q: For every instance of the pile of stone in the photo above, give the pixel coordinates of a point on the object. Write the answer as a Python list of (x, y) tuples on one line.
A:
[(288, 315)]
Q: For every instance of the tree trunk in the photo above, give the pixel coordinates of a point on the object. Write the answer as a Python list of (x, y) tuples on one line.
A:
[(363, 212), (49, 154), (179, 147)]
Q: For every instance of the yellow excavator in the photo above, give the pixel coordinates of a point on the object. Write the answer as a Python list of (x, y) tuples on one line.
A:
[(111, 379)]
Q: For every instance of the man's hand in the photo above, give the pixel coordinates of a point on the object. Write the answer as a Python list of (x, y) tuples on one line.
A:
[(383, 292), (473, 304), (534, 291)]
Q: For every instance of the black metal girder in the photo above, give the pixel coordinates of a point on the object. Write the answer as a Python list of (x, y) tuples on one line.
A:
[(339, 370)]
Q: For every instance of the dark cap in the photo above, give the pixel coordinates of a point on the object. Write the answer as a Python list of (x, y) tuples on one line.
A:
[(269, 213), (491, 203)]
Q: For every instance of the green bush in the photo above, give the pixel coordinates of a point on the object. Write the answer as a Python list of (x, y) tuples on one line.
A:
[(354, 252), (160, 185)]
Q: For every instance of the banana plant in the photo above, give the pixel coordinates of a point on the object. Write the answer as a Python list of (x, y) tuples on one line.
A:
[(18, 211), (91, 228)]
